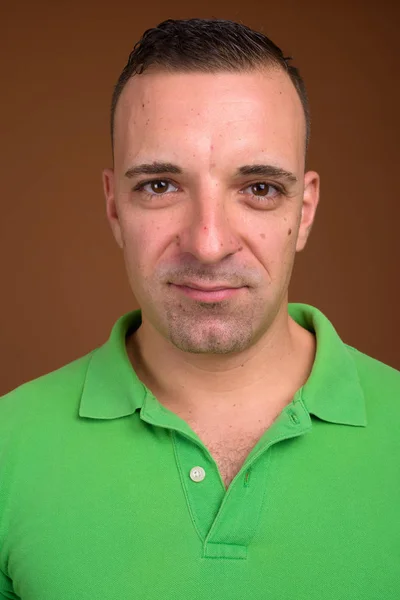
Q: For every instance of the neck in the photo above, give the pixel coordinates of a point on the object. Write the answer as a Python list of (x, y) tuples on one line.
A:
[(276, 365)]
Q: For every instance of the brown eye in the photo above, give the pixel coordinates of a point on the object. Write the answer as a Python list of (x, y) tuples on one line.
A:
[(159, 187), (156, 187), (260, 189), (263, 192)]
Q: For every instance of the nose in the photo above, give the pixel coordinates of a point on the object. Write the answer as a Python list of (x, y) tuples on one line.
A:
[(209, 233)]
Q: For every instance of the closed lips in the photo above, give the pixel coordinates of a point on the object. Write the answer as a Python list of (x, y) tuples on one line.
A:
[(206, 289)]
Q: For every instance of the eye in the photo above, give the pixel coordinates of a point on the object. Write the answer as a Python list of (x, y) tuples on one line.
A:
[(262, 189), (156, 187)]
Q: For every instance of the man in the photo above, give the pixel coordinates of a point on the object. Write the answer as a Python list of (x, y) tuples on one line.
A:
[(221, 443)]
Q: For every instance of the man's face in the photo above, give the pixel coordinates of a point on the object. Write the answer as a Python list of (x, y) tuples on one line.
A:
[(208, 190)]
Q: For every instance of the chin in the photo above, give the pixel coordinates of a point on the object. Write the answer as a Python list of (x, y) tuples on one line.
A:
[(210, 339)]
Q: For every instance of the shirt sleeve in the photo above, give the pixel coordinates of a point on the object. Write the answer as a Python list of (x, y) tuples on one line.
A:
[(6, 591)]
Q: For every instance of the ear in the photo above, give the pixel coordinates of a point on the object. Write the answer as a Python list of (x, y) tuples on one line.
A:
[(111, 207), (308, 208)]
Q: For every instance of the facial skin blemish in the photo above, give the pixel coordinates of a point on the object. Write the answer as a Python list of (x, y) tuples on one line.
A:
[(262, 235), (289, 232), (240, 249)]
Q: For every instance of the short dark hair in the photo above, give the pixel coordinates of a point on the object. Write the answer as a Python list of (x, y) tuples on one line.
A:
[(206, 45)]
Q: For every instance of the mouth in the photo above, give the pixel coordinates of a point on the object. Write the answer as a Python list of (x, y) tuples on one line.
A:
[(210, 294)]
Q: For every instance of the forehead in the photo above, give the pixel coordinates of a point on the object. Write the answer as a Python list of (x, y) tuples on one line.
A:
[(196, 113)]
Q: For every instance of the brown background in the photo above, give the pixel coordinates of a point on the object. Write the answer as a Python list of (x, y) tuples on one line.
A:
[(63, 280)]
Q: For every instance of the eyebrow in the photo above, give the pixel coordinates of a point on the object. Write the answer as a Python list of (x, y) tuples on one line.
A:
[(267, 171), (155, 168), (158, 168)]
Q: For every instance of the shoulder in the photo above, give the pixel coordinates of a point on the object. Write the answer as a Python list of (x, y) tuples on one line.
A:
[(380, 382), (48, 394), (374, 371)]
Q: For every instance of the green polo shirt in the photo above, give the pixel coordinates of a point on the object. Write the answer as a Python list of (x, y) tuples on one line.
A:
[(107, 495)]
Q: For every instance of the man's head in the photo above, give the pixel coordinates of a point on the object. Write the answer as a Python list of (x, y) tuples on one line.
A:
[(206, 46), (208, 187)]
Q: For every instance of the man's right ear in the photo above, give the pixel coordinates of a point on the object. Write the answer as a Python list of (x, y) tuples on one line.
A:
[(111, 206)]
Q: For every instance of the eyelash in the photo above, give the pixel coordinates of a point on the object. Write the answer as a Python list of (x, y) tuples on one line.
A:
[(280, 191)]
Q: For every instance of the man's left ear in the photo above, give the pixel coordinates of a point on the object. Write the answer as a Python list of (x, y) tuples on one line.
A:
[(308, 208)]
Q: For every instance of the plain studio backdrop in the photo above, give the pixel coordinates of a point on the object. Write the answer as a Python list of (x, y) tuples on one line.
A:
[(63, 278)]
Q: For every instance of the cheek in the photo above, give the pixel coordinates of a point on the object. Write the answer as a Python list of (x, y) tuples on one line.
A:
[(278, 237), (137, 242), (276, 246), (144, 241)]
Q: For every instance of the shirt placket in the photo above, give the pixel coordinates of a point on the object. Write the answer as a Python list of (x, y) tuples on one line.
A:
[(226, 520)]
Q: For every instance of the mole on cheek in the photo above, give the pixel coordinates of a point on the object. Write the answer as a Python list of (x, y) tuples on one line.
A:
[(289, 232), (262, 235), (178, 242)]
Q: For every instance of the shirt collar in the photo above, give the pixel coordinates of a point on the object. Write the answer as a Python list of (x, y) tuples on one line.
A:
[(111, 388), (332, 392)]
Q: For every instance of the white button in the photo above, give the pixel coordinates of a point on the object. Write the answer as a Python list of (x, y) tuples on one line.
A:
[(197, 474)]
